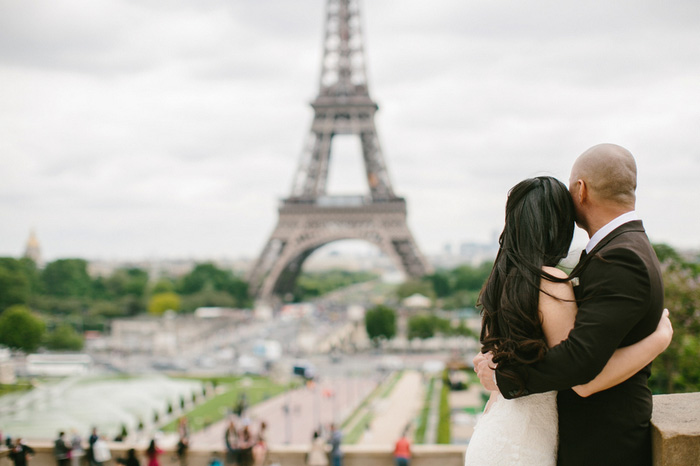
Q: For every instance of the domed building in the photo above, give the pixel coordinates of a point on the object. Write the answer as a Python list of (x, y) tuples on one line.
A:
[(33, 250)]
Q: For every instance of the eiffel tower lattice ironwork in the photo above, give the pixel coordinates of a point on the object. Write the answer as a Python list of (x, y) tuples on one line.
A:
[(309, 218)]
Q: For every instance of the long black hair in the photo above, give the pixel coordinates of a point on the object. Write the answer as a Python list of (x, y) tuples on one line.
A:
[(538, 231)]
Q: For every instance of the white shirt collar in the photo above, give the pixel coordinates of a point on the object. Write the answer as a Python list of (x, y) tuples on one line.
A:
[(607, 229)]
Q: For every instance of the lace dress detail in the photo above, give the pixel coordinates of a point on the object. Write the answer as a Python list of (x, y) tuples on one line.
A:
[(518, 432)]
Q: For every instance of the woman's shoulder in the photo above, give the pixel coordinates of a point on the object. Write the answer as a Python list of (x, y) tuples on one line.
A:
[(555, 272), (555, 289)]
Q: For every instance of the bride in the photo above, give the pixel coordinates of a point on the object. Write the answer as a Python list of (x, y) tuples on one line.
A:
[(528, 307)]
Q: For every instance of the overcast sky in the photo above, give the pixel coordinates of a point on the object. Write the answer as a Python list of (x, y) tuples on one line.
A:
[(171, 128)]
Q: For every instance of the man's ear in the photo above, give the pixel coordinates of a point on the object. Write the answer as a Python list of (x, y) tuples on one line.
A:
[(583, 194)]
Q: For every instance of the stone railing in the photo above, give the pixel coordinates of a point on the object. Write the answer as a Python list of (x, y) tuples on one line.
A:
[(293, 455), (675, 442), (675, 432)]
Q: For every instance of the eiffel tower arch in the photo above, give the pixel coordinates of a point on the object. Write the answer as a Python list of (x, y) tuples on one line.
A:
[(310, 218)]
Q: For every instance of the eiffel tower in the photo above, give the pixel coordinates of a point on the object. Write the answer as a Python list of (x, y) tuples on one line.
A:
[(309, 218)]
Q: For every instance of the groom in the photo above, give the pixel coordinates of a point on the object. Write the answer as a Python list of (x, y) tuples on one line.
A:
[(619, 292)]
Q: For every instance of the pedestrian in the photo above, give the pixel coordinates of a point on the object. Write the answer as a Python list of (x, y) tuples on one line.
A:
[(231, 441), (61, 451), (402, 450), (91, 442), (317, 455), (130, 460), (260, 447), (152, 453), (76, 448), (241, 405), (20, 453), (100, 451), (183, 442), (245, 446), (335, 439)]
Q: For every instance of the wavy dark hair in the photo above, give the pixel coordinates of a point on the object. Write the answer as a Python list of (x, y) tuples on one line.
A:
[(538, 231)]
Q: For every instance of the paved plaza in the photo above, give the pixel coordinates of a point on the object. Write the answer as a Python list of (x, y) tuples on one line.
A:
[(393, 413), (293, 416)]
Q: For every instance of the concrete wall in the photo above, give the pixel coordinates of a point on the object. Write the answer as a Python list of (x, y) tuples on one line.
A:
[(675, 442)]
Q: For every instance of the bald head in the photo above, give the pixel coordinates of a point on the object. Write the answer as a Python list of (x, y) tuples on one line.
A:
[(610, 173)]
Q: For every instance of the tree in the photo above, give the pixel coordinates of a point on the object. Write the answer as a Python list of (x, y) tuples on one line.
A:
[(426, 326), (14, 284), (462, 330), (310, 285), (64, 337), (471, 278), (461, 299), (163, 285), (208, 277), (411, 287), (677, 369), (203, 276), (20, 329), (162, 302), (67, 278), (207, 298), (441, 283), (380, 322), (127, 282)]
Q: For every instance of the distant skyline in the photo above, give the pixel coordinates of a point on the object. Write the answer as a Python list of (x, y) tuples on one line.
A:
[(171, 129)]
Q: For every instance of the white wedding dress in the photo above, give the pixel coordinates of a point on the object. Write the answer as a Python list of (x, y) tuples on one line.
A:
[(518, 432)]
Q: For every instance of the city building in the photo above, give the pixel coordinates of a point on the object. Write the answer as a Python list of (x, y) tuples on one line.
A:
[(7, 368)]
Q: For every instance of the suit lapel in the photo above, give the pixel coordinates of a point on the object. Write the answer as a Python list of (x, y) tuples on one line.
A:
[(635, 225)]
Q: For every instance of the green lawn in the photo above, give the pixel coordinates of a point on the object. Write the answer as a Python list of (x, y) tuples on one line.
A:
[(215, 409), (355, 434), (17, 387), (419, 436), (444, 436)]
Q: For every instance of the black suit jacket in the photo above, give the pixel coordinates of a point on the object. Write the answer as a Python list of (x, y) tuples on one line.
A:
[(620, 301)]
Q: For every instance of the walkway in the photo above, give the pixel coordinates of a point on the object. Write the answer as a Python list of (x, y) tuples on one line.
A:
[(329, 401), (393, 413)]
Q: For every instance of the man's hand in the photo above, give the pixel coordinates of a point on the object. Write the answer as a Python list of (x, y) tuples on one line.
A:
[(484, 368), (664, 329)]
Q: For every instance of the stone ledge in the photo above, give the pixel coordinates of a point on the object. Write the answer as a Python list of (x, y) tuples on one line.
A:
[(287, 455), (675, 430)]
